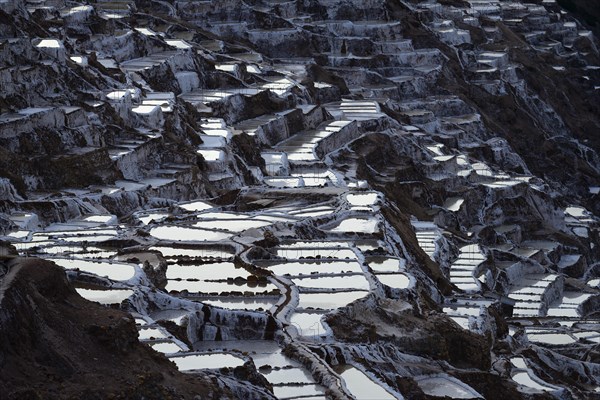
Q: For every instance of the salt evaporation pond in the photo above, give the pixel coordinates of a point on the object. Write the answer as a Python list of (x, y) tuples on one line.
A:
[(156, 217), (523, 378), (197, 252), (291, 182), (196, 206), (263, 352), (440, 386), (221, 270), (551, 338), (358, 225), (465, 311), (111, 296), (362, 387), (151, 333), (307, 268), (180, 233), (298, 253), (207, 361), (384, 264), (357, 282), (114, 271), (289, 375), (241, 303), (399, 281), (222, 215), (362, 199), (216, 287), (286, 375), (70, 250), (329, 301), (86, 238), (166, 347), (292, 392), (314, 213), (101, 219), (518, 362), (577, 212), (453, 203), (315, 244), (233, 225), (460, 320), (308, 324)]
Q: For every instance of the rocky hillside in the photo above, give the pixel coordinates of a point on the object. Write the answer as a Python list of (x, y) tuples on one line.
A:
[(57, 345), (300, 199)]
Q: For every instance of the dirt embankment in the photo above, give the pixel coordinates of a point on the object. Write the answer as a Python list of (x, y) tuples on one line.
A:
[(56, 345)]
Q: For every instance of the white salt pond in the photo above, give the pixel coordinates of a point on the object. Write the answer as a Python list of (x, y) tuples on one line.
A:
[(207, 361), (523, 378), (241, 303), (101, 219), (147, 218), (300, 392), (180, 233), (472, 311), (313, 213), (85, 238), (453, 203), (518, 362), (297, 253), (399, 281), (223, 215), (362, 387), (358, 225), (20, 234), (577, 212), (114, 271), (216, 287), (62, 230), (329, 301), (220, 270), (289, 375), (362, 199), (460, 320), (112, 296), (308, 324), (212, 155), (290, 182), (263, 352), (233, 225), (307, 268), (151, 333), (357, 282), (196, 252), (166, 347), (73, 251), (440, 386), (196, 206), (315, 244), (551, 338), (385, 264)]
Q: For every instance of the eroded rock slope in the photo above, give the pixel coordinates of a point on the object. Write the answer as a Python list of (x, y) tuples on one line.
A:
[(300, 199)]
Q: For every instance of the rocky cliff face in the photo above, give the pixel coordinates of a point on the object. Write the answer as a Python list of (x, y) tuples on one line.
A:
[(300, 199)]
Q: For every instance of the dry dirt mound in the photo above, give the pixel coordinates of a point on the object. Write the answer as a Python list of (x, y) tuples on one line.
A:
[(55, 344)]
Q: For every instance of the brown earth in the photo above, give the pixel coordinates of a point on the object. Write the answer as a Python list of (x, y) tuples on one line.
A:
[(56, 345)]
